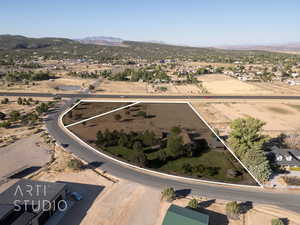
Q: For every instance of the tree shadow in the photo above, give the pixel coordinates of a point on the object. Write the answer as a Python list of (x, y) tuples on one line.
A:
[(182, 193), (207, 203), (246, 206), (285, 221)]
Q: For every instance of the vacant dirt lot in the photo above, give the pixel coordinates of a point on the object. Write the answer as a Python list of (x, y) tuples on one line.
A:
[(161, 118), (279, 116), (222, 84), (50, 86), (89, 109)]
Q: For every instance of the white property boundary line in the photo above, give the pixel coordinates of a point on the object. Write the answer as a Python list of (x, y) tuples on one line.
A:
[(102, 114), (60, 123)]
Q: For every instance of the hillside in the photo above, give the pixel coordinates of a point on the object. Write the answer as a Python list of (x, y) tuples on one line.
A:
[(59, 48), (291, 47)]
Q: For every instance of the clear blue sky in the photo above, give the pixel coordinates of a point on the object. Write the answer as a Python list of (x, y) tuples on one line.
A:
[(193, 22)]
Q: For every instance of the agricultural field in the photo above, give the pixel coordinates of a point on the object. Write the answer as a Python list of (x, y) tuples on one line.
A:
[(168, 137)]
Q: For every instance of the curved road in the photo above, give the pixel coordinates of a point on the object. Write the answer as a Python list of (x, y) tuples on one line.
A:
[(290, 201)]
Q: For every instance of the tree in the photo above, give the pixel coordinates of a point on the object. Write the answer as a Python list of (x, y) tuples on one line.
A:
[(142, 114), (233, 210), (193, 203), (174, 145), (117, 117), (137, 146), (5, 101), (2, 116), (14, 115), (20, 101), (5, 124), (247, 141), (246, 133), (277, 222), (75, 164), (175, 130), (99, 138), (168, 194), (139, 158), (42, 108)]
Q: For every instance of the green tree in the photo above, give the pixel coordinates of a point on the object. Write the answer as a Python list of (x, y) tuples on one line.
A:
[(5, 101), (20, 101), (5, 124), (246, 133), (175, 145), (277, 222), (139, 158), (233, 210), (137, 146), (175, 130), (14, 115), (247, 141), (193, 203), (168, 194), (142, 114)]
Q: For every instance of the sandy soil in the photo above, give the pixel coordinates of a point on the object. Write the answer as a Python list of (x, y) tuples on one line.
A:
[(258, 215), (16, 157), (279, 88), (222, 84), (18, 132), (118, 87), (279, 117)]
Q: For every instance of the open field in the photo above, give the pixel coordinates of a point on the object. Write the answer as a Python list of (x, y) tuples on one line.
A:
[(59, 85), (280, 117), (222, 84), (160, 118)]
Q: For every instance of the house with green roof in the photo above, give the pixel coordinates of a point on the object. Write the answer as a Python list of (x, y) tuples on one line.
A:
[(177, 215)]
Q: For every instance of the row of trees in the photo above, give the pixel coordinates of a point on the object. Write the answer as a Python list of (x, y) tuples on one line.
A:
[(21, 76), (141, 74)]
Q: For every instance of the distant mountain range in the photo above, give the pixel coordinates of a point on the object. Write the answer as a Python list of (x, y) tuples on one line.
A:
[(289, 47), (101, 40)]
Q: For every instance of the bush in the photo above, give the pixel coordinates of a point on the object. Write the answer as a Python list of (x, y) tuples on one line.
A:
[(75, 164), (5, 124), (277, 222), (193, 203), (5, 101), (14, 115), (117, 117), (168, 194), (233, 210)]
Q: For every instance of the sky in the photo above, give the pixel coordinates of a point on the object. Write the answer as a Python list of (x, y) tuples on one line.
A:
[(189, 22)]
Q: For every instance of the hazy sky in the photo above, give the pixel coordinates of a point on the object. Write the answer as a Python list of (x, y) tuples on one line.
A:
[(193, 22)]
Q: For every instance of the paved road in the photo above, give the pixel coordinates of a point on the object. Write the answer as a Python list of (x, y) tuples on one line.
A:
[(86, 95), (290, 201)]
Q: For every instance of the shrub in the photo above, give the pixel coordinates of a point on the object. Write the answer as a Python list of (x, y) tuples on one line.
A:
[(168, 194), (5, 101), (117, 117), (233, 210), (75, 164), (193, 203), (5, 124), (277, 222)]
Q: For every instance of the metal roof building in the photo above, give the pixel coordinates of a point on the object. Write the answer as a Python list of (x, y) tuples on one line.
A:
[(177, 215)]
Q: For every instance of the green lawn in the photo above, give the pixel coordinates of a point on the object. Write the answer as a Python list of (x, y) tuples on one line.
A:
[(208, 159)]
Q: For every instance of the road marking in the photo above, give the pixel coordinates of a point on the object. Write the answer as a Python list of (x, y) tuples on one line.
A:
[(102, 114)]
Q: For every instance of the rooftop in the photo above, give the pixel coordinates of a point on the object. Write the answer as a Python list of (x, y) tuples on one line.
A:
[(177, 215)]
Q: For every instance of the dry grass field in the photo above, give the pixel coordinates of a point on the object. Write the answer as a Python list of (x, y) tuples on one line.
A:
[(221, 84), (279, 116), (50, 86)]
